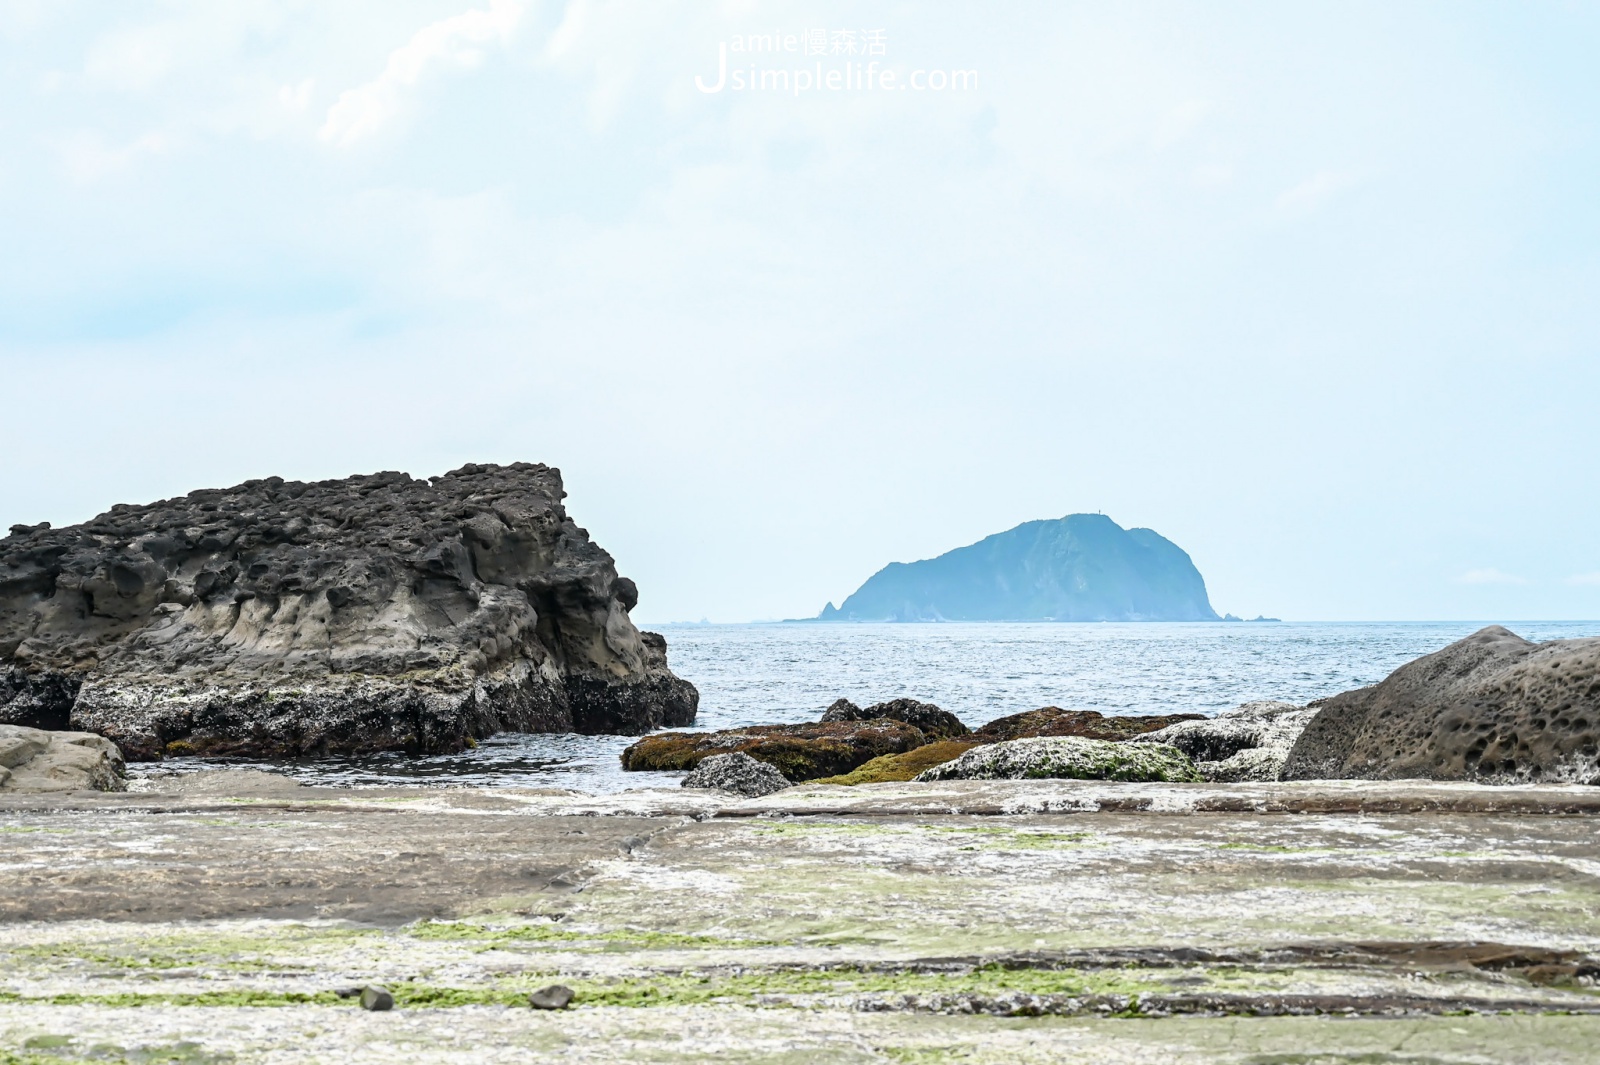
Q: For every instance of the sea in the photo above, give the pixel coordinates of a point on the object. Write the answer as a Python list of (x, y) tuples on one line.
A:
[(790, 672)]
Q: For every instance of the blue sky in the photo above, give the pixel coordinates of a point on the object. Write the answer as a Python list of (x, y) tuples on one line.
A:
[(1310, 289)]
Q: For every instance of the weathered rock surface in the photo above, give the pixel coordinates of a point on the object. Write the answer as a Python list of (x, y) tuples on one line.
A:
[(1067, 757), (799, 752), (1250, 742), (372, 613), (1090, 724), (738, 773), (1492, 707), (896, 768), (936, 723), (34, 760)]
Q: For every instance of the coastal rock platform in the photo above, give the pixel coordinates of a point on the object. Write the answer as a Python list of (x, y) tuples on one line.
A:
[(220, 916)]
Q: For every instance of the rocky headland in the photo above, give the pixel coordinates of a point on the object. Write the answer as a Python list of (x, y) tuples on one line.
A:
[(280, 618)]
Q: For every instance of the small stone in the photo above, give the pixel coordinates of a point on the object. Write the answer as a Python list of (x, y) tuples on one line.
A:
[(375, 998), (554, 997)]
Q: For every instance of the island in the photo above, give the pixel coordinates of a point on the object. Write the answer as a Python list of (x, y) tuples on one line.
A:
[(1083, 567)]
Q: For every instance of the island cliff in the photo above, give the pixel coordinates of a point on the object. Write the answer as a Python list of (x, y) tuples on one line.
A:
[(1083, 567), (379, 612)]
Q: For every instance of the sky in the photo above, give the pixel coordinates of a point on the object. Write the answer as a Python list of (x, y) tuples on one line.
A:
[(1309, 289)]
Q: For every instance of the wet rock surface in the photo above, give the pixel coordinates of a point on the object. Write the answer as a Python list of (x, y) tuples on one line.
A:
[(738, 773), (1460, 935), (799, 752), (1068, 757), (1492, 707), (1250, 742), (279, 618), (34, 760), (1090, 724), (934, 722)]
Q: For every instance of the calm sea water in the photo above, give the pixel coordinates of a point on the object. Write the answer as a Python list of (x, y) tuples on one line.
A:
[(756, 674)]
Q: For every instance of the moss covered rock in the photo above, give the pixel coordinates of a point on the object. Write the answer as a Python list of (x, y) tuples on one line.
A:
[(1067, 757), (1090, 724), (799, 752), (893, 768)]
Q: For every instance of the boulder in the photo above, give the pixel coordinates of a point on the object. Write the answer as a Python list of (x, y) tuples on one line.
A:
[(1492, 707), (376, 998), (1067, 757), (554, 997), (1090, 724), (738, 773), (934, 722), (34, 760), (799, 752), (894, 768), (281, 619), (1250, 742)]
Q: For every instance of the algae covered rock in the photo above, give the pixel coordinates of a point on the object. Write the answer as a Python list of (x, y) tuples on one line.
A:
[(1250, 742), (1069, 758), (799, 752), (934, 722), (34, 760), (281, 619), (1090, 724), (896, 768), (738, 773), (1492, 707)]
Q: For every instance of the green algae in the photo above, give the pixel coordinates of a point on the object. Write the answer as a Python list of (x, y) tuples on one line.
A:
[(123, 999), (633, 938), (62, 1048)]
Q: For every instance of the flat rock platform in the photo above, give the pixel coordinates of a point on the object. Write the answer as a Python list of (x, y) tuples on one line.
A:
[(226, 916)]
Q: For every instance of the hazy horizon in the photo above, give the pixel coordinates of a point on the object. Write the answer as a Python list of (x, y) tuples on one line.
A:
[(1309, 291)]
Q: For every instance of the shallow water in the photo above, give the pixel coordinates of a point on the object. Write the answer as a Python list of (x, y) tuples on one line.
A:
[(756, 674)]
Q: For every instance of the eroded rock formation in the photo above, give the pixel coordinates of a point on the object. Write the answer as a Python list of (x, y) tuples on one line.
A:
[(1250, 742), (1090, 724), (934, 722), (1069, 758), (800, 752), (279, 618), (33, 760), (1492, 707)]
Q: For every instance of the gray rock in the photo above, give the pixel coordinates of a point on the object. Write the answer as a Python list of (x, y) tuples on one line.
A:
[(554, 997), (1250, 742), (1492, 707), (736, 772), (936, 723), (1067, 757), (34, 760), (378, 612), (377, 998)]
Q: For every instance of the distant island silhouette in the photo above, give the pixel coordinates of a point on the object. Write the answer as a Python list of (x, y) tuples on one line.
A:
[(1083, 567)]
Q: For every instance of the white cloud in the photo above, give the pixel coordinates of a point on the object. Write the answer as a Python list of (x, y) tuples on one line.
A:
[(296, 97), (1584, 578), (1488, 576), (1314, 191), (88, 158), (1180, 122), (366, 108), (132, 59)]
